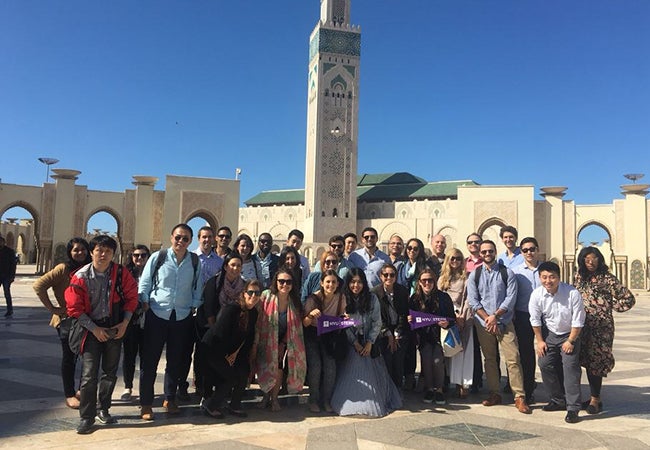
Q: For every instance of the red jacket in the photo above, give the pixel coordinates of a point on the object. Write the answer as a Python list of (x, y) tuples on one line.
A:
[(78, 301)]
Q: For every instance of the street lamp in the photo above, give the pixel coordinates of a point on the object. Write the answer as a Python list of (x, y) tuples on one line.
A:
[(48, 162)]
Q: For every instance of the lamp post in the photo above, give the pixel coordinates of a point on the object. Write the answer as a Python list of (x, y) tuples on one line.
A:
[(48, 162)]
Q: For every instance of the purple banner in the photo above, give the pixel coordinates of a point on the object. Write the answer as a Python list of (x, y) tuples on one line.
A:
[(327, 324), (422, 319)]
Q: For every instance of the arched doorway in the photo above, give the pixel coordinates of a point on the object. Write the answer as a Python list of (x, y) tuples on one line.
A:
[(101, 222), (18, 226)]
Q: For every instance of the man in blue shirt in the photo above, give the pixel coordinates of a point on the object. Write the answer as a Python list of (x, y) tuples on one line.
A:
[(169, 295), (369, 258), (512, 257), (492, 293), (210, 262), (268, 260), (527, 280)]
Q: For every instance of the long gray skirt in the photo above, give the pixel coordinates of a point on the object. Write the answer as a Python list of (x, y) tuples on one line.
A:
[(363, 387)]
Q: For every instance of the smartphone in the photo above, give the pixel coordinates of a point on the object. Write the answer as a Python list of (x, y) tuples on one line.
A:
[(112, 332)]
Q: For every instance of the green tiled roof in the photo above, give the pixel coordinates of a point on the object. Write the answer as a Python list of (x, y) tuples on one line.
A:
[(399, 186)]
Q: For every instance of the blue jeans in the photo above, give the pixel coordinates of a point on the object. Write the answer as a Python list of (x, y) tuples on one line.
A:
[(106, 354), (321, 373)]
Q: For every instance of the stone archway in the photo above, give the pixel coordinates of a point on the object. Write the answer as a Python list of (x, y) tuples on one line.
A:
[(122, 253)]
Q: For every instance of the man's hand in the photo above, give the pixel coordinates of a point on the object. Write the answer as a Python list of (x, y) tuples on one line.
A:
[(121, 329), (101, 334), (541, 348), (567, 347)]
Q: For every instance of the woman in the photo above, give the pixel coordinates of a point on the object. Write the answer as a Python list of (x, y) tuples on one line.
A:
[(452, 281), (251, 267), (228, 346), (395, 333), (132, 342), (601, 293), (225, 288), (363, 386), (290, 258), (327, 301), (279, 339), (430, 300), (328, 260), (415, 262), (78, 253)]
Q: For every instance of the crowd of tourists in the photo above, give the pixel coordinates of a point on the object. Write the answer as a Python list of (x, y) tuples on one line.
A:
[(350, 328)]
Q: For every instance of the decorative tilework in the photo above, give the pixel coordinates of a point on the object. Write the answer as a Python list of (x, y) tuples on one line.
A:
[(335, 41), (351, 69), (474, 434)]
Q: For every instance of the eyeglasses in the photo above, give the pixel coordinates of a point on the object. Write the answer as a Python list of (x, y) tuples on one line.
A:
[(224, 236), (412, 249), (455, 258), (336, 245), (282, 282), (330, 261), (179, 238), (426, 280), (253, 293), (473, 242), (367, 237), (529, 249), (487, 252), (388, 275), (140, 255)]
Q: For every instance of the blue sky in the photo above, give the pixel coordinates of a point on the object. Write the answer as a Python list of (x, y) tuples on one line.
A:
[(501, 92)]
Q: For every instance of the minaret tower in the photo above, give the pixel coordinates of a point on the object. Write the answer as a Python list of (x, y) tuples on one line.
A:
[(332, 124)]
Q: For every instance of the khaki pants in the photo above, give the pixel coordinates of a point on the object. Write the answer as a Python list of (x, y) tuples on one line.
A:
[(490, 345)]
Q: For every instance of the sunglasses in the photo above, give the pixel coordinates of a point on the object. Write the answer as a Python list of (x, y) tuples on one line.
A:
[(336, 245), (140, 255), (369, 236), (282, 282), (529, 249), (426, 280), (473, 242), (487, 252), (412, 249), (455, 258), (253, 293), (388, 275), (330, 261), (224, 236), (179, 238)]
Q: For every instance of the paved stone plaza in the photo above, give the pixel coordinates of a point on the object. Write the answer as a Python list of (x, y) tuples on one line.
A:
[(33, 414)]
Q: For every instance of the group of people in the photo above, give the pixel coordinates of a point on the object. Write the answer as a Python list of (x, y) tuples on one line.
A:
[(237, 315)]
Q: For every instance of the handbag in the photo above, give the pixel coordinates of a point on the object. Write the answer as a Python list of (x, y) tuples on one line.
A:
[(450, 339), (76, 336)]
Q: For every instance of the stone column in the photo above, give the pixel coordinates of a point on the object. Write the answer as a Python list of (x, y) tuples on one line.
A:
[(144, 209), (64, 211), (554, 230), (636, 233)]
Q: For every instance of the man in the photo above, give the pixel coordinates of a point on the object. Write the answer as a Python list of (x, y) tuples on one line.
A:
[(169, 292), (102, 296), (268, 260), (7, 273), (492, 293), (438, 247), (369, 258), (210, 262), (474, 259), (294, 240), (224, 236), (340, 264), (350, 241), (512, 257), (557, 316), (527, 276), (396, 251)]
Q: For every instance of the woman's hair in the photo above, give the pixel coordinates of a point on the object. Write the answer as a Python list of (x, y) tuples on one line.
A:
[(249, 241), (294, 294), (71, 264), (582, 267), (363, 304), (419, 295), (243, 315), (130, 265), (421, 258), (221, 275), (448, 273), (324, 256), (297, 271)]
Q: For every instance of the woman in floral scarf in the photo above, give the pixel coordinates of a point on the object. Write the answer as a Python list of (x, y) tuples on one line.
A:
[(279, 339)]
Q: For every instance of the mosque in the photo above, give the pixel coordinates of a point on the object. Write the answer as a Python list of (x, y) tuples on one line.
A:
[(335, 199)]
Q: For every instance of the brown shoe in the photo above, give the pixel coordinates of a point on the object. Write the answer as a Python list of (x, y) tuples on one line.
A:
[(522, 407), (72, 402), (171, 407), (146, 413), (493, 399)]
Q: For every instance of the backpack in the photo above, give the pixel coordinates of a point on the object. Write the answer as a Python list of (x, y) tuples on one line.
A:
[(162, 256), (503, 270)]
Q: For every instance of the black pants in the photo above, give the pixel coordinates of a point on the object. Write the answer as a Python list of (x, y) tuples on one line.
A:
[(68, 363), (132, 341), (525, 338), (95, 355)]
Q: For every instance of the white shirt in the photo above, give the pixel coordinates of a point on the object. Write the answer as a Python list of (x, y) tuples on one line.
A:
[(559, 312)]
